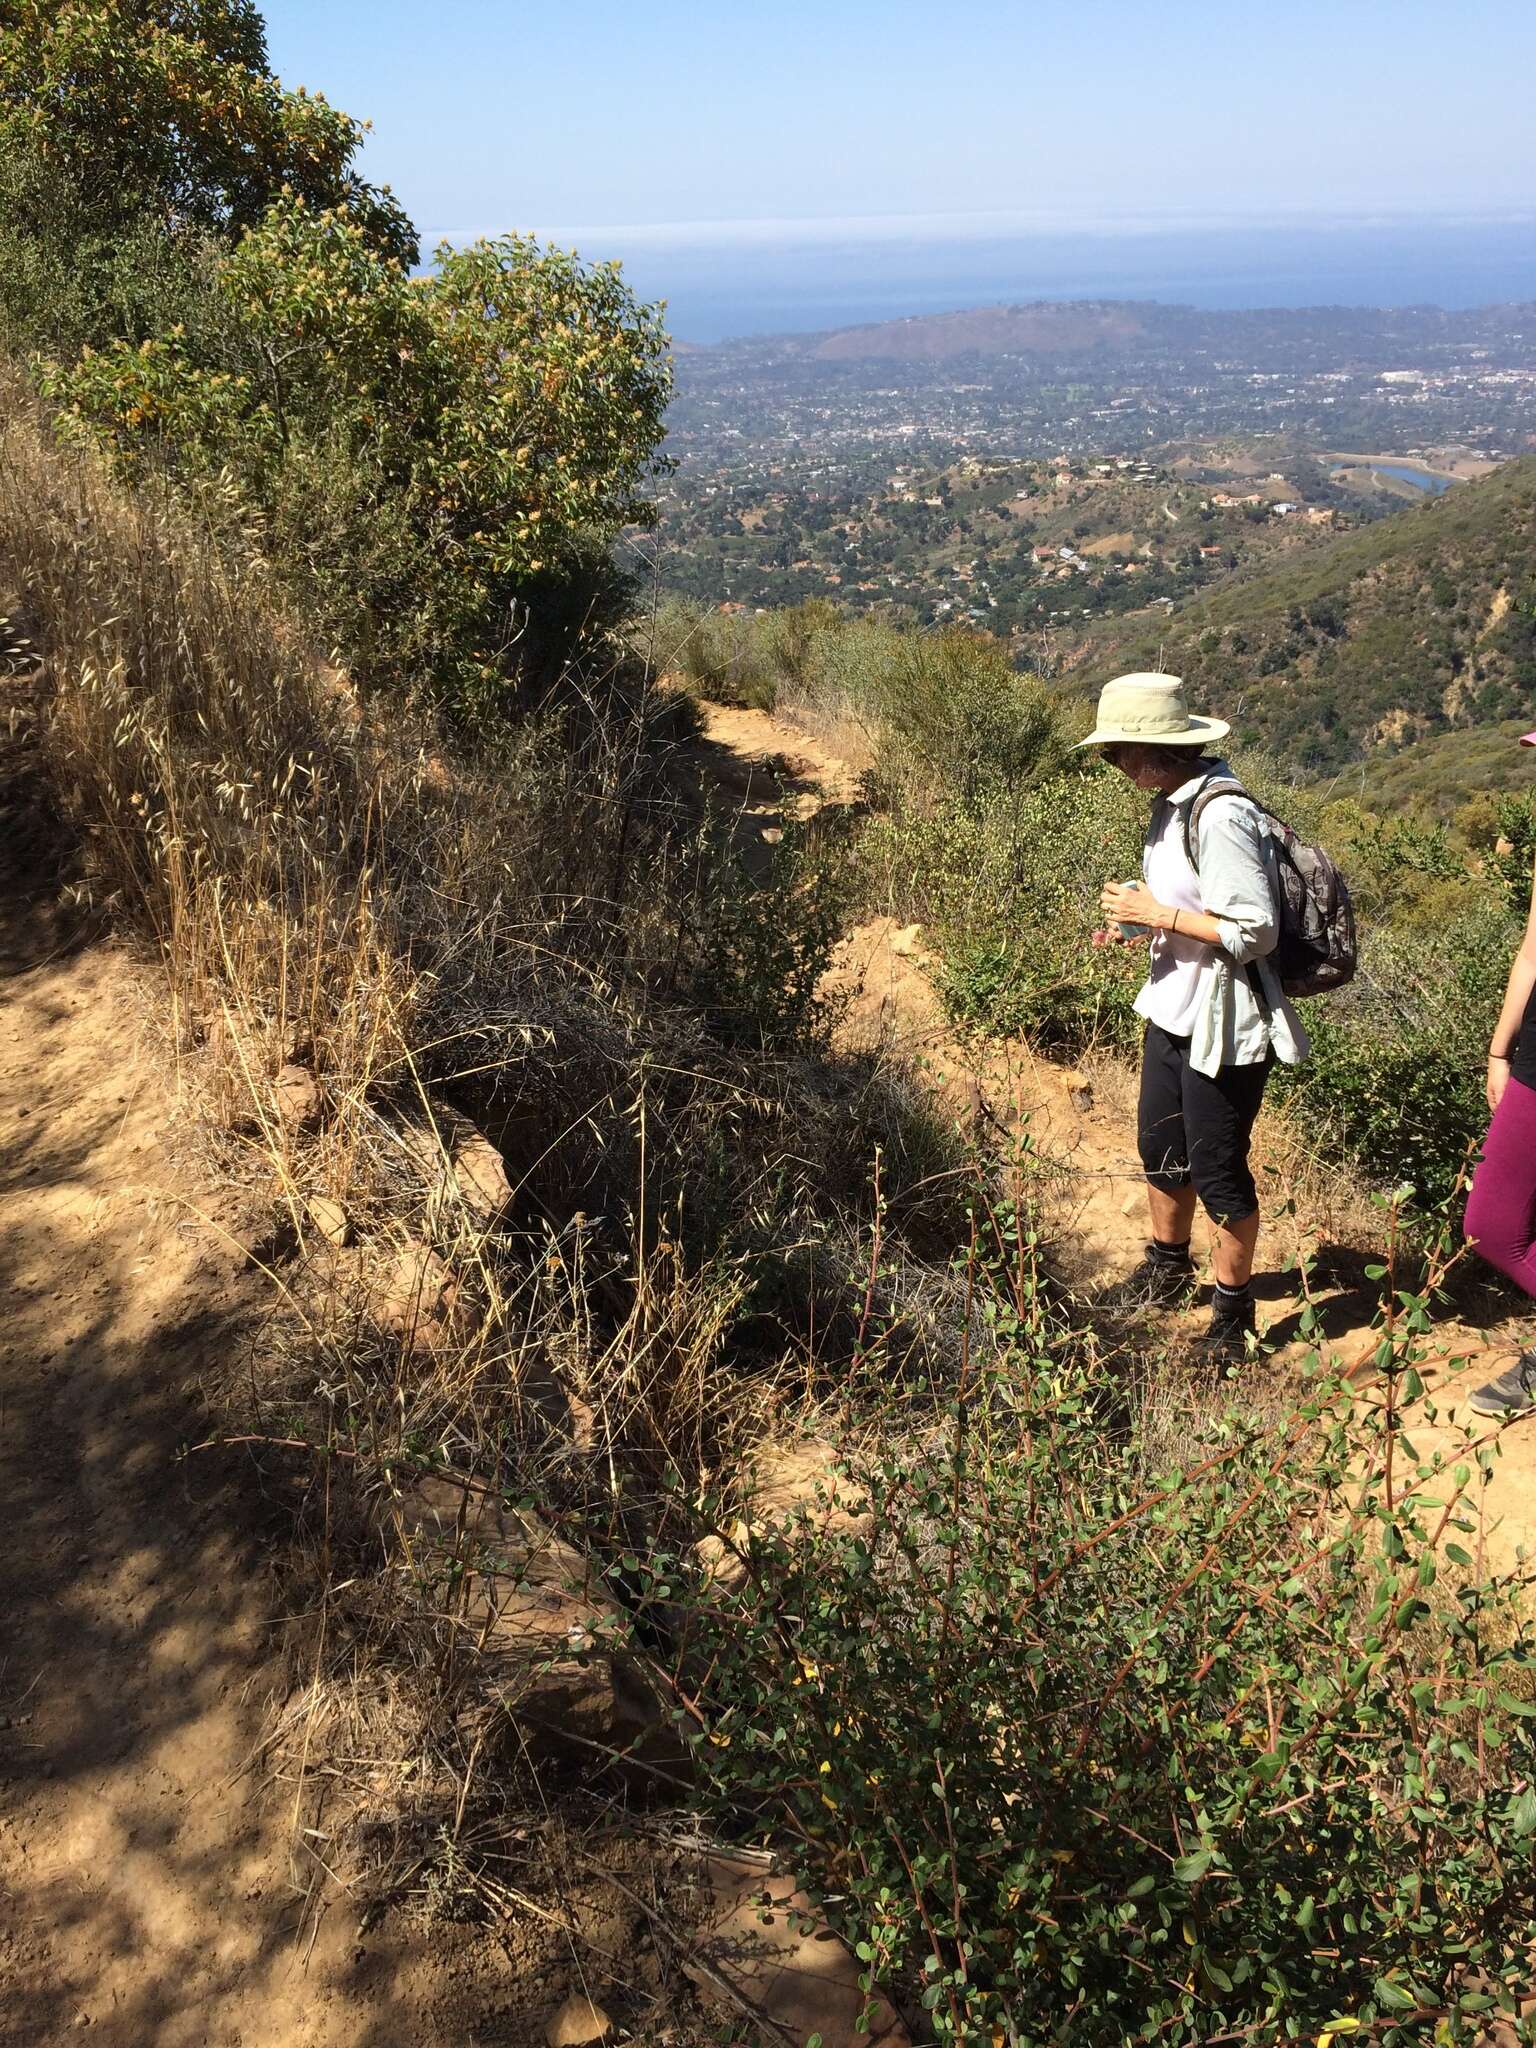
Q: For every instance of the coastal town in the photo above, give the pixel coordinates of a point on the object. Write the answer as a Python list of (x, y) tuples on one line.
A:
[(1006, 491)]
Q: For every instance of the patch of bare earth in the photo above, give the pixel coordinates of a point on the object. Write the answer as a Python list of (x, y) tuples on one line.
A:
[(764, 770)]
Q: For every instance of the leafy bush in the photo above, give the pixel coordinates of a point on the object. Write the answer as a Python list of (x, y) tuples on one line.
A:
[(1081, 1746), (436, 465), (1009, 893), (1395, 1080), (421, 449), (171, 104), (958, 723), (1511, 858), (67, 283), (727, 657), (765, 942)]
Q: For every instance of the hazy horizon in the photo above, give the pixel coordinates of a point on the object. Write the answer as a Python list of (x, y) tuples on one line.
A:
[(721, 291), (816, 164), (849, 110)]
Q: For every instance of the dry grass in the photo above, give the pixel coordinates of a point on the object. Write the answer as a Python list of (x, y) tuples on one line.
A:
[(379, 948)]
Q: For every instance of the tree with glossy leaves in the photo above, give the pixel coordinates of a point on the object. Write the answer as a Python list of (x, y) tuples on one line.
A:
[(169, 107)]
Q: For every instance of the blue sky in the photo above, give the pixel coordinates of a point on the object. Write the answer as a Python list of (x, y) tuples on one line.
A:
[(674, 123)]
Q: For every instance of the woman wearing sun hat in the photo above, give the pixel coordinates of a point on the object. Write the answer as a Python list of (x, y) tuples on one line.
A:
[(1501, 1209), (1215, 1016)]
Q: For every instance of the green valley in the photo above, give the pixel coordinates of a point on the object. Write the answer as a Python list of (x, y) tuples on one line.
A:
[(1418, 625)]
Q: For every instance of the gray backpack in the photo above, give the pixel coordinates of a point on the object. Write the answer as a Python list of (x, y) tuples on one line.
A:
[(1316, 948)]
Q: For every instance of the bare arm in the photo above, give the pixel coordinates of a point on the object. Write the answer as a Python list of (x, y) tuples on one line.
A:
[(1522, 979), (1240, 915), (1140, 906)]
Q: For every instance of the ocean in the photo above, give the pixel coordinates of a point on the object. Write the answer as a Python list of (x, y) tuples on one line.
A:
[(716, 290)]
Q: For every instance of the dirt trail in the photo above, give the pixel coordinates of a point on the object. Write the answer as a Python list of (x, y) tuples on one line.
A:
[(1081, 1124), (769, 770), (145, 1884)]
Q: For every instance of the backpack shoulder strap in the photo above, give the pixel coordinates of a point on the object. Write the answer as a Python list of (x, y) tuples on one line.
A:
[(1193, 809)]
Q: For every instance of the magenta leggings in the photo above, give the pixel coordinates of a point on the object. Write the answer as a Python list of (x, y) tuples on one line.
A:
[(1501, 1209)]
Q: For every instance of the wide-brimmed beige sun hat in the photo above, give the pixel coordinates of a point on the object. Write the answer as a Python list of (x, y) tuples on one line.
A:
[(1150, 709)]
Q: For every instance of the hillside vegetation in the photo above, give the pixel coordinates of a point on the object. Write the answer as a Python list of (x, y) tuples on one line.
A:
[(1088, 1705), (1028, 549), (434, 464), (1275, 1714), (1417, 625)]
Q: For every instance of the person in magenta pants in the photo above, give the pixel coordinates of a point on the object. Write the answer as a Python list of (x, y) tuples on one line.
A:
[(1501, 1209)]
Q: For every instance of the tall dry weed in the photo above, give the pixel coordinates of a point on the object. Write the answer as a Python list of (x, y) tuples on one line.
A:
[(386, 954)]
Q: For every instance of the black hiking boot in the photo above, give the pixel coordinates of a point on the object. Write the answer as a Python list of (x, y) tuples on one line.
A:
[(1512, 1395), (1233, 1334), (1163, 1279)]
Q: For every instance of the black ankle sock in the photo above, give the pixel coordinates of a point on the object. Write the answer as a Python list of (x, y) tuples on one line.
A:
[(1169, 1254), (1233, 1297)]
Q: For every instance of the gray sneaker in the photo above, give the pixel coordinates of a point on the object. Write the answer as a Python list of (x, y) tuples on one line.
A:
[(1512, 1394)]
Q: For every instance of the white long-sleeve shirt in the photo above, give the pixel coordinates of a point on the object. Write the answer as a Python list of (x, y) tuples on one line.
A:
[(1197, 990)]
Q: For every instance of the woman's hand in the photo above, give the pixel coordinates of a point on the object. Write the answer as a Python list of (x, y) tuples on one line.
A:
[(1115, 937), (1498, 1077), (1133, 904)]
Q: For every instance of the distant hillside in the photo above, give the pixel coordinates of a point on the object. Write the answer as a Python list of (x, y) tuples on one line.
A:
[(1439, 774), (1047, 329), (1420, 624), (1023, 548), (1063, 329)]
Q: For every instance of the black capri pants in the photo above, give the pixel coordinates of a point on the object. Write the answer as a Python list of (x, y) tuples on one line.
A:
[(1195, 1128)]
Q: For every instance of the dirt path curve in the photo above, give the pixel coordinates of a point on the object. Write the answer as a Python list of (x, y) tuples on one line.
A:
[(145, 1887), (768, 770)]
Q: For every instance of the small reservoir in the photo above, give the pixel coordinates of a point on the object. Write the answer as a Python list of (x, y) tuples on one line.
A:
[(1401, 472)]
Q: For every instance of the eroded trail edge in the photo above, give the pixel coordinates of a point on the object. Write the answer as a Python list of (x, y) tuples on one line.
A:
[(149, 1889)]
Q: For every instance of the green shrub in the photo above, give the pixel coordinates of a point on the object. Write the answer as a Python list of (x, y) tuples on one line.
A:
[(958, 723), (436, 465), (1511, 857), (1395, 1081), (1080, 1746), (428, 455), (68, 282), (727, 657), (1009, 894), (764, 943), (169, 108)]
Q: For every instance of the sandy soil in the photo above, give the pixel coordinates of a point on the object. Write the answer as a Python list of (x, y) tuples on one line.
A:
[(764, 770), (146, 1887)]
